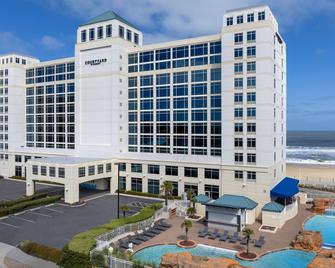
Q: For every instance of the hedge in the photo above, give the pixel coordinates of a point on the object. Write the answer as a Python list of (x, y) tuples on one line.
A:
[(18, 178), (147, 194), (73, 259), (4, 204), (85, 241), (29, 204), (41, 251)]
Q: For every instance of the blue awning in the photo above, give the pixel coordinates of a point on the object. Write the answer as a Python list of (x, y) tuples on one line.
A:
[(286, 188), (202, 199)]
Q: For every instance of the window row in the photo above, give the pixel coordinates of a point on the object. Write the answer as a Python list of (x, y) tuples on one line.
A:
[(250, 17)]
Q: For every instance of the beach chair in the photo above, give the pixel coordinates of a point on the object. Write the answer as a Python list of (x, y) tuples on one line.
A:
[(165, 224), (204, 232), (214, 235), (260, 242), (234, 238), (224, 236)]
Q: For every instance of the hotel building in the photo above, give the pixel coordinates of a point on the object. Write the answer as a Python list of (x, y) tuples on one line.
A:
[(206, 113)]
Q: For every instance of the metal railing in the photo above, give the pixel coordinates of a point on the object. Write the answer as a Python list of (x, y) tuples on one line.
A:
[(119, 263), (104, 240)]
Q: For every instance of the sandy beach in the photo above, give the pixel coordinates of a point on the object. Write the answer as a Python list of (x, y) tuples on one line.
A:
[(312, 173)]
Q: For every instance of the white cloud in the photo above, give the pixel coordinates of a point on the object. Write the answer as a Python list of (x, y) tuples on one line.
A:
[(51, 42), (11, 43), (170, 19)]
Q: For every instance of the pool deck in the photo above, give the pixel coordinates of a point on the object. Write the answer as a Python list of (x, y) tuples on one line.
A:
[(279, 240)]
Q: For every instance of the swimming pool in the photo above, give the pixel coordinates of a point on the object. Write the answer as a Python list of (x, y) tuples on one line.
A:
[(324, 224), (285, 258)]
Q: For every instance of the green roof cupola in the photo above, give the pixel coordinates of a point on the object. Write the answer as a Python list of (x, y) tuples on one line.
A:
[(107, 16)]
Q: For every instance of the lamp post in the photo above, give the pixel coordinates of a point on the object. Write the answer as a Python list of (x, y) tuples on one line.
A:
[(118, 190)]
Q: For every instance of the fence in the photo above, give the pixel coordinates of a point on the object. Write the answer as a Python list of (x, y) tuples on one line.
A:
[(105, 239), (119, 263)]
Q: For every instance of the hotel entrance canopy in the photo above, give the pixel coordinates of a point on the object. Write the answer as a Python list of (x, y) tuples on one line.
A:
[(286, 188)]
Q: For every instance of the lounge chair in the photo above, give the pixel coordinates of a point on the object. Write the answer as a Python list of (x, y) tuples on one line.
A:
[(160, 227), (164, 224), (214, 235), (234, 238), (154, 230), (149, 234), (205, 230), (224, 236), (141, 237), (133, 239), (260, 242)]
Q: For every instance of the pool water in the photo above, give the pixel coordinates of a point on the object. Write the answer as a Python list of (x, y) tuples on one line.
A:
[(285, 258), (324, 224)]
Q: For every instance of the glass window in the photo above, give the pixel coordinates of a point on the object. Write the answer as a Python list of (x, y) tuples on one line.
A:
[(162, 79), (251, 82), (250, 17), (251, 66), (180, 77), (129, 35), (153, 169), (146, 56), (136, 184), (238, 38), (199, 49), (251, 51), (238, 52), (121, 31), (251, 175), (229, 21), (238, 97), (251, 112), (190, 172), (238, 112), (171, 170), (92, 32), (81, 172), (199, 76), (212, 191), (52, 171), (108, 30), (153, 186), (100, 32), (238, 68), (215, 74), (239, 19), (91, 170), (61, 172), (238, 174), (215, 47), (251, 158), (35, 169), (163, 54), (136, 38), (180, 52), (261, 15), (251, 97), (100, 168), (137, 168), (251, 36)]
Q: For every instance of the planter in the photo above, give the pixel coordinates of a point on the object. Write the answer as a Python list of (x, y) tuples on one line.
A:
[(195, 219), (187, 244), (243, 255)]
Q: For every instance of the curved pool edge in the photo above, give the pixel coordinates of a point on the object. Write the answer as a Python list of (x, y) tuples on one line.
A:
[(234, 251)]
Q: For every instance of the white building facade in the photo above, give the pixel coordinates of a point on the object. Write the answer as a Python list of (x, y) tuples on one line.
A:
[(206, 113)]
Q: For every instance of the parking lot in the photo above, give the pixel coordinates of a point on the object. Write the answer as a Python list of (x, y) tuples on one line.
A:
[(56, 224)]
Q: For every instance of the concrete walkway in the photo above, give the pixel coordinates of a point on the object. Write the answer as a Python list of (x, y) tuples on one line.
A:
[(12, 257)]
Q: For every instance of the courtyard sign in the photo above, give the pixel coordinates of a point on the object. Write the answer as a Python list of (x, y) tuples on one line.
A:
[(95, 62)]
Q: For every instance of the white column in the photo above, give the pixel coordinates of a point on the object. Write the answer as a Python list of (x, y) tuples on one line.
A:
[(71, 193), (30, 187)]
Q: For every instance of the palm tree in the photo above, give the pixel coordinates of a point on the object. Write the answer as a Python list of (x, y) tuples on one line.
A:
[(191, 211), (247, 233), (187, 224), (125, 208), (167, 188)]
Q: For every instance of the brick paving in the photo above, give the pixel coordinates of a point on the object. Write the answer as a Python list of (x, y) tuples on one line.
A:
[(281, 239)]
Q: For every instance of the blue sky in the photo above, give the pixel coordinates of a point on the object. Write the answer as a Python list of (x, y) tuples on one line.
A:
[(46, 29)]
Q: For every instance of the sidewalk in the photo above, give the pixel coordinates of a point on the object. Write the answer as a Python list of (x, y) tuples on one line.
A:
[(12, 257)]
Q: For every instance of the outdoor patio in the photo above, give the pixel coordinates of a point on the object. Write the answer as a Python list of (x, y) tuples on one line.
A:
[(281, 239)]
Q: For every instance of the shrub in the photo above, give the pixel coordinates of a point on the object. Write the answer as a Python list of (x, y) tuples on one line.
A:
[(73, 259), (147, 194), (18, 178), (41, 251), (22, 199), (29, 204), (85, 241)]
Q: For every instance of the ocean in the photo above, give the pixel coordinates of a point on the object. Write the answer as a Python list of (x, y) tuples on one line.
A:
[(311, 147)]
